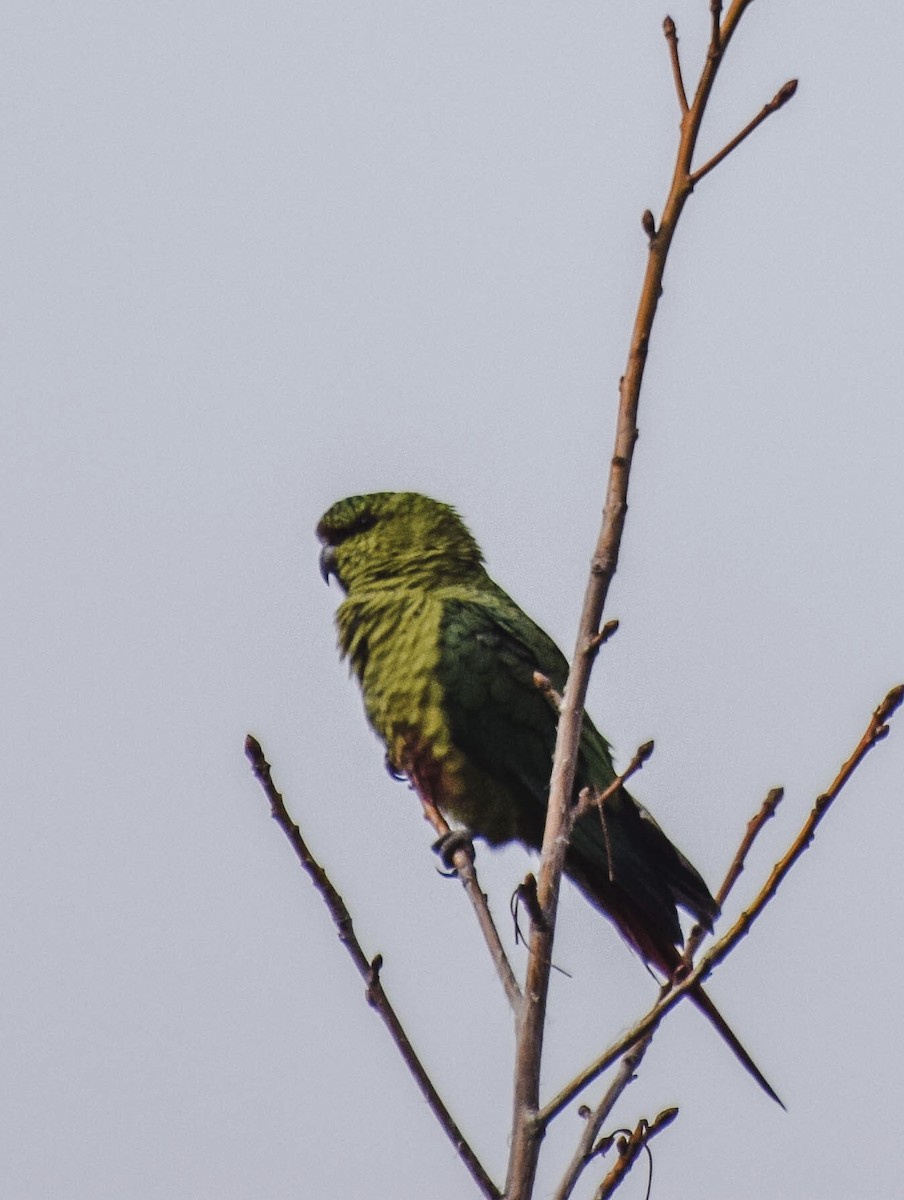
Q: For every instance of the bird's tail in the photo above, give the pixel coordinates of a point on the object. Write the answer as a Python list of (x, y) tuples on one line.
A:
[(709, 1010), (647, 920)]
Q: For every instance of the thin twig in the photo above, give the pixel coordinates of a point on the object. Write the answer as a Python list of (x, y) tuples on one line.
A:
[(543, 684), (767, 810), (671, 36), (875, 732), (463, 862), (593, 1121), (527, 1130), (715, 35), (611, 627), (629, 1149), (591, 799), (368, 969), (781, 98)]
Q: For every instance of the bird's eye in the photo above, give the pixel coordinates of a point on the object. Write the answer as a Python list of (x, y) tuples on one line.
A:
[(361, 524), (358, 524)]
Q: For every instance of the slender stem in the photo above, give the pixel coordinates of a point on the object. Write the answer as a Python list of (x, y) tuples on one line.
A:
[(368, 969), (671, 36), (629, 1151), (527, 1130), (591, 800), (767, 810), (715, 11), (463, 862), (781, 98), (593, 1121)]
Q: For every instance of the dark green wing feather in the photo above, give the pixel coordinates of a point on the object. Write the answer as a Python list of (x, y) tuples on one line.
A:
[(501, 722), (498, 717)]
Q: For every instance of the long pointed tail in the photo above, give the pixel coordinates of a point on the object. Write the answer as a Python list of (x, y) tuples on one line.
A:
[(709, 1010)]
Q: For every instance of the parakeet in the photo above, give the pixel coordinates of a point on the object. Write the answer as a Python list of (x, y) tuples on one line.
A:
[(446, 661)]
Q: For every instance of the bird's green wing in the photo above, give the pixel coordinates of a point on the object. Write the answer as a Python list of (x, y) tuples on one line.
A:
[(504, 724), (498, 717)]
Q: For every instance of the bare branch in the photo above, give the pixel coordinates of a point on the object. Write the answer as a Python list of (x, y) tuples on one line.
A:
[(770, 804), (715, 35), (875, 732), (629, 1148), (590, 799), (671, 36), (779, 100), (586, 1148), (462, 860), (369, 970), (527, 1129), (767, 811)]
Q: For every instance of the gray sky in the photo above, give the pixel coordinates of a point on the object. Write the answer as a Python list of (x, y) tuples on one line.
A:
[(259, 257)]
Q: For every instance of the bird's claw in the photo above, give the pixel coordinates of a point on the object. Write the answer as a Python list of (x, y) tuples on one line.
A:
[(448, 846)]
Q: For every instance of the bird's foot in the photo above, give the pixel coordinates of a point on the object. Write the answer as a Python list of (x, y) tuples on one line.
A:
[(450, 843)]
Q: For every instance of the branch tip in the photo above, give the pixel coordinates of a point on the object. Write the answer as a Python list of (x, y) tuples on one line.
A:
[(254, 751), (671, 36), (599, 639), (715, 37), (781, 97), (644, 752), (890, 704), (590, 798), (544, 684), (666, 1117)]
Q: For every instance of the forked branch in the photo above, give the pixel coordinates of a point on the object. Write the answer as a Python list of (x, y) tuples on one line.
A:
[(875, 732), (590, 799), (588, 1146), (629, 1149), (368, 969), (527, 1129), (781, 97)]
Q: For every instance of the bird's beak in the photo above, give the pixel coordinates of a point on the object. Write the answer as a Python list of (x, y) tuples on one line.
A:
[(328, 564)]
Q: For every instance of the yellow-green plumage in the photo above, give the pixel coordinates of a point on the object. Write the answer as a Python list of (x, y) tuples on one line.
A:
[(446, 662)]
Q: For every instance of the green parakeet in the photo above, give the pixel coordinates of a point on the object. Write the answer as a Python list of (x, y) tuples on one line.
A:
[(446, 662)]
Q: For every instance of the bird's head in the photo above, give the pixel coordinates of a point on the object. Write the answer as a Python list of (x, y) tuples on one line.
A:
[(396, 538)]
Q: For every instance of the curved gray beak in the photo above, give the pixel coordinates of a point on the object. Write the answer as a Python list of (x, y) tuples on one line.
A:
[(328, 565)]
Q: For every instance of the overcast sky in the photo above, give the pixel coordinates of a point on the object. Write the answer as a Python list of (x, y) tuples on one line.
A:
[(257, 257)]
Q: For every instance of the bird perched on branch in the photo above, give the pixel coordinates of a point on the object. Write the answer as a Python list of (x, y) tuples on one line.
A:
[(447, 664)]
